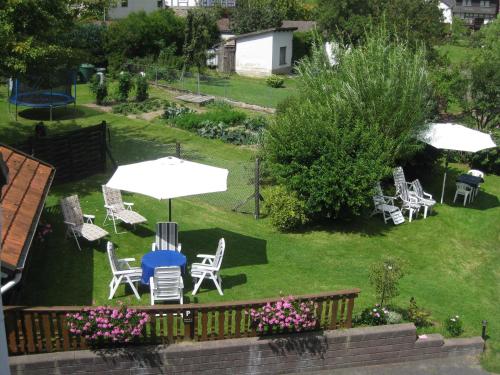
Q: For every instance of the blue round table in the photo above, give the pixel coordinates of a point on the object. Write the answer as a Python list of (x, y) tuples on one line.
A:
[(160, 258)]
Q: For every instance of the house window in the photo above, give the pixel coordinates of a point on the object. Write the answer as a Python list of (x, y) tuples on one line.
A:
[(159, 3), (466, 3), (484, 4), (282, 55), (124, 3)]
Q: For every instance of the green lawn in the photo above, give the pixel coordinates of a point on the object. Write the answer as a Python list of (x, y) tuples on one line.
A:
[(239, 88), (456, 53), (452, 258)]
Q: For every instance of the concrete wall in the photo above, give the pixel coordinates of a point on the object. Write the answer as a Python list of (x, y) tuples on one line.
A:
[(282, 39), (133, 6), (254, 55), (274, 355)]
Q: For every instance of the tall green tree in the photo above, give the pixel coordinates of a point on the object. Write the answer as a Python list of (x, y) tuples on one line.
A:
[(349, 125), (200, 35), (30, 36)]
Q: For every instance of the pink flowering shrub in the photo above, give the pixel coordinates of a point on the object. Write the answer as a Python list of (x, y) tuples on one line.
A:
[(285, 313), (115, 325)]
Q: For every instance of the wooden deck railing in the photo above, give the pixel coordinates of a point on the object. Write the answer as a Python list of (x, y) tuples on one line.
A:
[(44, 329)]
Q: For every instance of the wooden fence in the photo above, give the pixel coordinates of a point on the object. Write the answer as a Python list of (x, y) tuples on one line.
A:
[(75, 154), (44, 329)]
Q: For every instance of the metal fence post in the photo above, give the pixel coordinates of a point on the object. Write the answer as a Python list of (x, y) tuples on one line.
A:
[(257, 188), (178, 149)]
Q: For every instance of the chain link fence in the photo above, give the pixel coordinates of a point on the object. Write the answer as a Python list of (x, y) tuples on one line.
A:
[(229, 86)]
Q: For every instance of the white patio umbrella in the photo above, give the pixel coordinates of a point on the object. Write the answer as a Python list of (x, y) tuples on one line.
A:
[(168, 178), (447, 136)]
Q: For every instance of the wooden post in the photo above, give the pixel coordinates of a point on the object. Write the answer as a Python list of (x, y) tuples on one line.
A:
[(178, 149), (257, 188)]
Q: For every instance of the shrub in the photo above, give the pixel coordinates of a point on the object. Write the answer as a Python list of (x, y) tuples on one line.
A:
[(115, 325), (394, 317), (149, 105), (100, 90), (275, 81), (417, 315), (124, 85), (488, 160), (343, 131), (373, 316), (193, 121), (385, 276), (453, 326), (172, 110), (286, 210), (142, 87), (287, 313)]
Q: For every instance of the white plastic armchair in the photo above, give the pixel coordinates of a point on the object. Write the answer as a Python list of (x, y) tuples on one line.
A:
[(78, 224), (465, 190), (123, 273), (167, 237), (476, 173), (209, 268), (425, 199), (167, 285), (117, 210)]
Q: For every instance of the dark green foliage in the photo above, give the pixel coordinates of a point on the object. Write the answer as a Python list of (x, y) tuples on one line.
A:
[(488, 161), (193, 121), (417, 315), (88, 38), (141, 88), (100, 90), (347, 127), (173, 110), (148, 105), (247, 133), (275, 81), (454, 326), (385, 276), (124, 85), (141, 34), (286, 211), (302, 44), (373, 316)]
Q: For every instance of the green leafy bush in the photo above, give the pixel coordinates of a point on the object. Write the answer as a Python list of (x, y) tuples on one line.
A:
[(373, 316), (454, 326), (275, 81), (384, 276), (193, 121), (349, 124), (100, 90), (237, 135), (488, 161), (417, 315), (142, 87), (394, 317), (148, 105), (124, 85), (173, 110), (286, 211)]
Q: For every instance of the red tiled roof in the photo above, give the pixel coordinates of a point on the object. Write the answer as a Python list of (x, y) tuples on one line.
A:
[(22, 201)]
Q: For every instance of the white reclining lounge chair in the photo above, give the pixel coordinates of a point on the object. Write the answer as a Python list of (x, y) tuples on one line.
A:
[(385, 205), (116, 209), (123, 273), (167, 237)]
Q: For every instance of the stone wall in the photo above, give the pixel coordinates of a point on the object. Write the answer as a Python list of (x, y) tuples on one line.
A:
[(274, 355)]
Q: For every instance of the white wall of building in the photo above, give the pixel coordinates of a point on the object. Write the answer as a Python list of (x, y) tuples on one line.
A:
[(254, 55), (180, 3), (447, 12), (133, 6), (282, 39)]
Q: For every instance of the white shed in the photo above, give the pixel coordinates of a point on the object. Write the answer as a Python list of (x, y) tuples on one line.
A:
[(264, 52), (122, 8)]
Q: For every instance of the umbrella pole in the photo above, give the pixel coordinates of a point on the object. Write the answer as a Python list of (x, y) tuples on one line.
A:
[(444, 177), (170, 210)]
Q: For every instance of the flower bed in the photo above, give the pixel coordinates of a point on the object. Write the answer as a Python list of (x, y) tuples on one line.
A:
[(112, 325)]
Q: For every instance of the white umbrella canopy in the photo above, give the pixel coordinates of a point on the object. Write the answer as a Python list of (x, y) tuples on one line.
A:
[(168, 178), (448, 136)]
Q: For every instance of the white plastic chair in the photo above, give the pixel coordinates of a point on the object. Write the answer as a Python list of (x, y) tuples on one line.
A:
[(167, 237), (385, 205), (166, 285), (75, 223), (116, 209), (123, 273), (465, 190), (409, 202), (425, 199), (209, 268), (476, 173)]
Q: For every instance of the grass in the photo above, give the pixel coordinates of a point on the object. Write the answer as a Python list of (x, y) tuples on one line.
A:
[(456, 53), (239, 88), (452, 258)]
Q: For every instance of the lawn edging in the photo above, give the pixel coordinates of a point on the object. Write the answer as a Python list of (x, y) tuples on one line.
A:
[(289, 353)]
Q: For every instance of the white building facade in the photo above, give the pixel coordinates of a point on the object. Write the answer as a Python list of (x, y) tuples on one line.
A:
[(201, 3), (265, 52), (124, 7)]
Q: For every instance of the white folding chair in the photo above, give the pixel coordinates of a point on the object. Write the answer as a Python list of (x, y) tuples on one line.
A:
[(465, 190), (123, 273), (425, 199), (166, 285), (75, 224), (409, 202), (209, 268), (117, 210), (385, 205), (167, 237)]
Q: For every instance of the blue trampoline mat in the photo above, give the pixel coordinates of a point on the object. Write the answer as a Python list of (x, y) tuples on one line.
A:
[(41, 99)]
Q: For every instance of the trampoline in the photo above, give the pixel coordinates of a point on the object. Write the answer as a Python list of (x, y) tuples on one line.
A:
[(57, 90)]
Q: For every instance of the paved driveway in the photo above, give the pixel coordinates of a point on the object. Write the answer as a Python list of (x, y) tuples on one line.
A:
[(446, 366)]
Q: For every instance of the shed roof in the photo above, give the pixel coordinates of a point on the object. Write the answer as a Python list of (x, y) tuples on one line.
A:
[(265, 31), (300, 25), (22, 201)]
